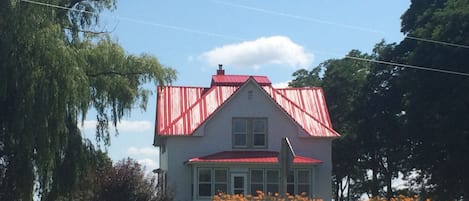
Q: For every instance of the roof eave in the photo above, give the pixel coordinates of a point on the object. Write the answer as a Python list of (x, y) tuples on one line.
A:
[(244, 163)]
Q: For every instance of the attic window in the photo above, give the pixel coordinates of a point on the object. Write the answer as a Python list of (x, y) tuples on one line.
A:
[(250, 132), (250, 94)]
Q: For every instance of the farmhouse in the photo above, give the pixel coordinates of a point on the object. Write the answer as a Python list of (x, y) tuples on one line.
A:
[(226, 138)]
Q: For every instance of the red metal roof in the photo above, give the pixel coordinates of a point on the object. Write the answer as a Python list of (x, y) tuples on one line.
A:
[(267, 157), (238, 80), (181, 110), (307, 107)]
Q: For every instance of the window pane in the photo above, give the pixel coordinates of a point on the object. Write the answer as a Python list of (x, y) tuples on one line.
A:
[(303, 188), (303, 176), (259, 125), (256, 187), (240, 139), (220, 176), (272, 188), (239, 125), (239, 182), (205, 190), (205, 176), (220, 188), (291, 189), (259, 140), (291, 177), (257, 176), (272, 176), (238, 192)]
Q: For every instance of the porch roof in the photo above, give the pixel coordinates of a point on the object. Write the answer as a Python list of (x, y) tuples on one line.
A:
[(255, 157)]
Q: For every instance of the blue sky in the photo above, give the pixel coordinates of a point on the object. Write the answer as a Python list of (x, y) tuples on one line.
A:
[(261, 37)]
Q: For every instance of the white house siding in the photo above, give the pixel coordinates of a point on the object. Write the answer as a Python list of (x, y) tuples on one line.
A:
[(215, 135)]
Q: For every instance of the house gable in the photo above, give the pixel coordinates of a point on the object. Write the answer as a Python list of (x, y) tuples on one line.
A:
[(249, 101), (182, 110)]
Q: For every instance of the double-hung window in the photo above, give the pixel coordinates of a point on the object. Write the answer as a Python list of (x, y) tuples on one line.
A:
[(257, 181), (212, 181), (249, 132), (299, 181), (265, 180)]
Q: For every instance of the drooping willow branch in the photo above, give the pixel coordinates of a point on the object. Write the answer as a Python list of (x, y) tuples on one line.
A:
[(105, 73)]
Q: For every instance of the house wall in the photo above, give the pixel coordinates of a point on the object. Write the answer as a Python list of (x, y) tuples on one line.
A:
[(215, 135)]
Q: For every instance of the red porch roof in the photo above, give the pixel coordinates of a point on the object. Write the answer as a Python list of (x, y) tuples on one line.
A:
[(266, 157)]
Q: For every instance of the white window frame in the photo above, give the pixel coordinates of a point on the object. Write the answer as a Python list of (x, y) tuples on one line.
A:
[(212, 181), (295, 181), (249, 132), (245, 183)]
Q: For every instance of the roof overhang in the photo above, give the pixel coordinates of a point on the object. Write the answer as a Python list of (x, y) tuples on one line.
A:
[(249, 157)]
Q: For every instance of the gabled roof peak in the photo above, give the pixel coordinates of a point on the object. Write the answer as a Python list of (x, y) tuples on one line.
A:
[(181, 110), (221, 79), (238, 80)]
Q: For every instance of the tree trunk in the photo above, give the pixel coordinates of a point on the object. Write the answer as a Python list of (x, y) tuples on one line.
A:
[(348, 188), (389, 192), (336, 190), (374, 181)]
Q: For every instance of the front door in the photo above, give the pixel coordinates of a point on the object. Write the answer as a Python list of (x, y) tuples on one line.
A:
[(238, 184)]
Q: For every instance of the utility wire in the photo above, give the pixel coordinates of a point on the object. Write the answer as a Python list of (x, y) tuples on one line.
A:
[(408, 66), (438, 42), (249, 8), (309, 19), (179, 28), (348, 26), (57, 6), (273, 12)]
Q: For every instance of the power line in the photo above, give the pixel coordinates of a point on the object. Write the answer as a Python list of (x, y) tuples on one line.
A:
[(408, 66), (437, 42), (277, 13), (185, 29), (57, 6), (179, 28), (360, 28)]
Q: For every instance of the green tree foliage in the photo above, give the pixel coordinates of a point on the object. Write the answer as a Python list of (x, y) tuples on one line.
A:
[(342, 81), (126, 180), (437, 103), (384, 147), (400, 119), (53, 69)]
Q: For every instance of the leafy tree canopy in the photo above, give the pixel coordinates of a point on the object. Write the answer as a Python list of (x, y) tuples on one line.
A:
[(399, 119), (53, 69)]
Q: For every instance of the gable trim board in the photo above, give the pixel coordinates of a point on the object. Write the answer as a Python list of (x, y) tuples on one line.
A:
[(190, 116)]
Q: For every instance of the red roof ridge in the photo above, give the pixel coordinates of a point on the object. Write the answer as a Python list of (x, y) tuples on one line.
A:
[(238, 80)]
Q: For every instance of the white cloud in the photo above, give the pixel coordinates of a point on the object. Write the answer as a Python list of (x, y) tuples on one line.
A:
[(145, 151), (149, 164), (265, 50), (123, 126), (89, 124), (146, 156), (281, 84)]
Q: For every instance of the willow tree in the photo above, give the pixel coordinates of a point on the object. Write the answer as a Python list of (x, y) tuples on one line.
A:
[(53, 69)]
